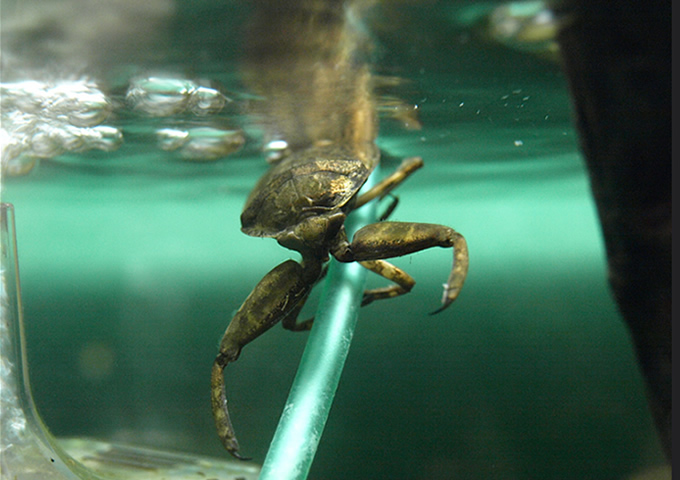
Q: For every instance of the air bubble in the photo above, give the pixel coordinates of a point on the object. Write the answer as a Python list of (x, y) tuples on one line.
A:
[(102, 137), (171, 138), (201, 143), (160, 96), (205, 101)]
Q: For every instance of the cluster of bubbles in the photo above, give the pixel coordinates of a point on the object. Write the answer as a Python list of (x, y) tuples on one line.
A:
[(42, 120), (166, 97), (45, 119)]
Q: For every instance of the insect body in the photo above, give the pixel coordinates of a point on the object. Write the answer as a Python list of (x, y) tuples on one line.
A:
[(305, 197)]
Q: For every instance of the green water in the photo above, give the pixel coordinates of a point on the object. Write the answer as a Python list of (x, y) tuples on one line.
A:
[(132, 264)]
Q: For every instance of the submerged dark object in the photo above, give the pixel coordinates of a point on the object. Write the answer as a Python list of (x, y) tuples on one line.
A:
[(617, 57)]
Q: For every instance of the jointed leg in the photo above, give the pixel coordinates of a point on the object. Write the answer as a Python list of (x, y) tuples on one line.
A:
[(390, 208), (403, 281), (276, 297), (386, 185), (403, 284), (394, 239), (290, 321)]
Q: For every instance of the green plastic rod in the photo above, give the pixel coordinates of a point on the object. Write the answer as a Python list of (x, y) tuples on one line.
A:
[(303, 419)]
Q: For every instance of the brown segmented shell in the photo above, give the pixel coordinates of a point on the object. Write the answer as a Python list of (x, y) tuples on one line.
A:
[(314, 181)]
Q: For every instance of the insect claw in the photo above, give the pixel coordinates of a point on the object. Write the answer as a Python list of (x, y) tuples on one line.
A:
[(441, 309), (448, 297), (235, 454)]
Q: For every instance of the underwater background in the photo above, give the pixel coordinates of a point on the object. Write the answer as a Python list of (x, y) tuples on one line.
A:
[(132, 262)]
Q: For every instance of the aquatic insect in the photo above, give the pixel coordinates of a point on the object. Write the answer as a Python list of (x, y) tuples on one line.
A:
[(302, 202), (305, 59)]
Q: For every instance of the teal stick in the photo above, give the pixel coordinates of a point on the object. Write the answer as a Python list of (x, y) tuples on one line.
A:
[(303, 419)]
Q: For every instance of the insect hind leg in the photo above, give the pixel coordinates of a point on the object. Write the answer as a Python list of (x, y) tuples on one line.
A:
[(403, 282)]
